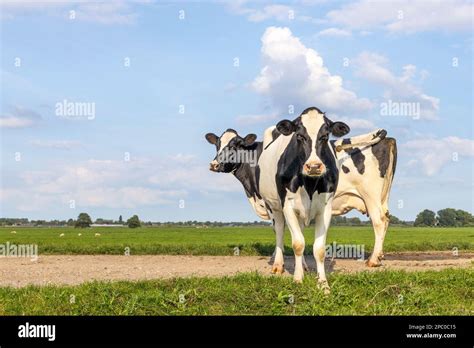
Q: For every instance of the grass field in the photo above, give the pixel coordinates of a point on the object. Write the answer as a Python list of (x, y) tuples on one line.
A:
[(448, 292), (222, 241)]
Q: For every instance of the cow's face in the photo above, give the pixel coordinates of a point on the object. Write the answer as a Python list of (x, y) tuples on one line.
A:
[(229, 142), (311, 140)]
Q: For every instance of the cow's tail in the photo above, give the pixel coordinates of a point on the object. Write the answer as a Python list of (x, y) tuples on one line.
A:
[(365, 140), (387, 184)]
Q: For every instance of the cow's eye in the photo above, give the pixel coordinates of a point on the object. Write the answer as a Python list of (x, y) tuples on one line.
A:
[(300, 137), (324, 138)]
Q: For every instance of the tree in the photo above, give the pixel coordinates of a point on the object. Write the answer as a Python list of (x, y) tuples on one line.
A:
[(354, 221), (425, 218), (447, 217), (338, 220), (120, 219), (133, 222), (450, 217), (464, 218), (70, 222), (395, 221), (83, 220)]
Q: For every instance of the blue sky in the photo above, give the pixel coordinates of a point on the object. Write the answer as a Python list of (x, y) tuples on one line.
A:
[(141, 154)]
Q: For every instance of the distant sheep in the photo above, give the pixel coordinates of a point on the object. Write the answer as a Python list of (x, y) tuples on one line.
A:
[(61, 235), (97, 234), (14, 232), (79, 234)]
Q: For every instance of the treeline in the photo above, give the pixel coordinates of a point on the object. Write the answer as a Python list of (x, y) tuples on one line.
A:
[(355, 221), (84, 220), (448, 217), (212, 223)]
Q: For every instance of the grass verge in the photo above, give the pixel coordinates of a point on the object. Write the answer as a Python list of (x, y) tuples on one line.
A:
[(447, 292)]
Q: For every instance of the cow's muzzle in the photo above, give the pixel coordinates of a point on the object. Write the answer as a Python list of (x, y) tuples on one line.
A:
[(214, 166), (314, 168)]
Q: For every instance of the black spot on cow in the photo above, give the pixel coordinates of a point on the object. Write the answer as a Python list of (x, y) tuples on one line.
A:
[(249, 175), (357, 156), (381, 151), (345, 169)]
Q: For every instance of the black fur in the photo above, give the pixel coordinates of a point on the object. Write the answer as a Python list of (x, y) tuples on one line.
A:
[(357, 156), (381, 151)]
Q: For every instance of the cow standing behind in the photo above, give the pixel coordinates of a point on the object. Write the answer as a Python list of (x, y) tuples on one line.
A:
[(368, 165)]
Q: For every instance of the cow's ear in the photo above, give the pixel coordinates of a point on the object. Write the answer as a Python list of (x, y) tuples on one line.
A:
[(250, 139), (212, 138), (285, 127), (339, 129)]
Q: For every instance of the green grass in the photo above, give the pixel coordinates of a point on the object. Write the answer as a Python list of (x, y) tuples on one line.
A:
[(448, 292), (222, 241)]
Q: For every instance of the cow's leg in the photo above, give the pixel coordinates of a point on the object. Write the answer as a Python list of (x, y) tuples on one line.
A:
[(379, 221), (297, 241), (322, 221), (387, 221), (279, 227), (305, 265)]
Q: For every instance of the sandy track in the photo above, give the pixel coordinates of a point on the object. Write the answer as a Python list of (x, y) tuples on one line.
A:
[(76, 269)]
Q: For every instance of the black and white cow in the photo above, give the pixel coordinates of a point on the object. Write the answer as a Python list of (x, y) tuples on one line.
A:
[(298, 179)]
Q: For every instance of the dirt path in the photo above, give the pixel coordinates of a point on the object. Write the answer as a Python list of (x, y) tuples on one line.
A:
[(75, 269)]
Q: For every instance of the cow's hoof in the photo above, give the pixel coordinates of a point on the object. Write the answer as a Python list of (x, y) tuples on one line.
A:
[(278, 269), (371, 263), (324, 286), (298, 279)]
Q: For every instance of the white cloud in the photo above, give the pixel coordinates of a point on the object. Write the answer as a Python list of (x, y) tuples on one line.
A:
[(294, 74), (334, 32), (127, 197), (115, 183), (276, 12), (114, 12), (15, 122), (373, 67), (432, 155), (20, 117), (355, 123), (56, 144), (405, 16), (108, 12)]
